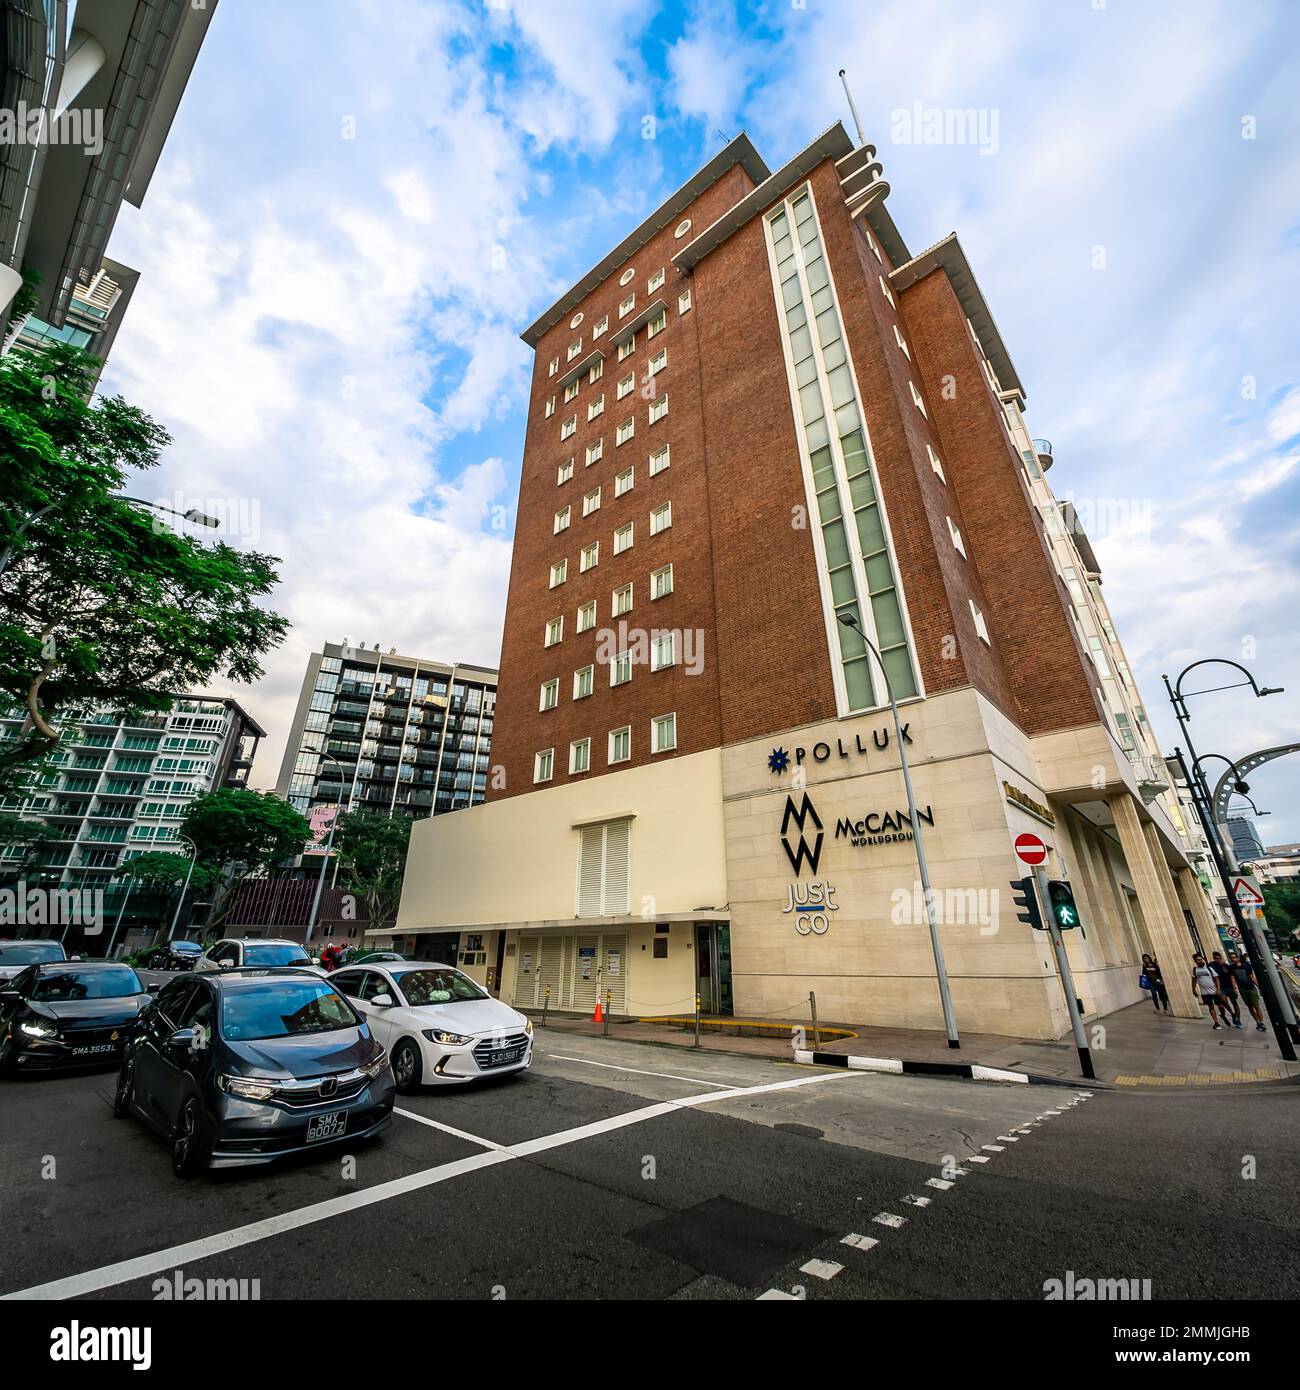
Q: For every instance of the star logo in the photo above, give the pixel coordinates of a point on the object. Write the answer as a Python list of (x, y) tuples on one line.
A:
[(779, 760)]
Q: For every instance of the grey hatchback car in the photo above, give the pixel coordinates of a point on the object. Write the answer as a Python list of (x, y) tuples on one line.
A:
[(247, 1066)]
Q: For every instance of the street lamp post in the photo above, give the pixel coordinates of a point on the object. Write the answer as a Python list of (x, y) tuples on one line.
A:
[(1278, 1006), (185, 887), (329, 845), (940, 970)]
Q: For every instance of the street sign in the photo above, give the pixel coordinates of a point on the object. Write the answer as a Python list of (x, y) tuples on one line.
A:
[(1030, 850), (1246, 891), (1235, 932)]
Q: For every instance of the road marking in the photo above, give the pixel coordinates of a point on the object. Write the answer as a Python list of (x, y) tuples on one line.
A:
[(821, 1269), (1008, 1139), (776, 1293), (887, 1218), (141, 1266), (976, 1158), (917, 1201), (448, 1129), (634, 1071), (993, 1148), (940, 1183), (860, 1242)]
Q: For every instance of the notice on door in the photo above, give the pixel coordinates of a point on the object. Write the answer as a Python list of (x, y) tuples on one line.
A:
[(587, 958), (614, 961), (528, 962)]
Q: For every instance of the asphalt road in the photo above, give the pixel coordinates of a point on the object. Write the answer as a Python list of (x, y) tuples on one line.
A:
[(624, 1170)]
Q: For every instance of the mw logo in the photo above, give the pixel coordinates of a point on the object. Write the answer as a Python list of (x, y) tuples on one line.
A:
[(801, 851)]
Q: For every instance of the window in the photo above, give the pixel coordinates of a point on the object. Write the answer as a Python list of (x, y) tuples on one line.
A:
[(543, 765), (574, 349), (590, 557), (1099, 656), (565, 473), (625, 432), (568, 427), (626, 349), (604, 883), (682, 228), (661, 518), (587, 616), (663, 733), (626, 307), (550, 694), (627, 385), (620, 744), (623, 539), (659, 460), (980, 626), (582, 682), (576, 319), (884, 289), (591, 502), (596, 372), (620, 669), (916, 399), (659, 361), (663, 651), (595, 452), (550, 406), (559, 572), (661, 582), (601, 325), (659, 408), (580, 755), (936, 465), (623, 482), (956, 538), (684, 302), (597, 407), (622, 600), (570, 391), (627, 276), (875, 249), (554, 631), (657, 324), (562, 520), (655, 281), (554, 367), (902, 342), (1071, 577)]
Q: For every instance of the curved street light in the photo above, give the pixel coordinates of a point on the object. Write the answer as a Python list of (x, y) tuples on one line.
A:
[(185, 888), (329, 844)]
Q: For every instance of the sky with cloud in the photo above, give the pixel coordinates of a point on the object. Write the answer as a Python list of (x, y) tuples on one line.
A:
[(361, 205)]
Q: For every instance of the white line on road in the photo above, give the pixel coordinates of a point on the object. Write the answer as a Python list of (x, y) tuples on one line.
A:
[(821, 1269), (635, 1071), (141, 1266), (448, 1129), (859, 1242)]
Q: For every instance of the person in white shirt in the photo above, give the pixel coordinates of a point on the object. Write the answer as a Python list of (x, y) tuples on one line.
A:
[(1206, 984)]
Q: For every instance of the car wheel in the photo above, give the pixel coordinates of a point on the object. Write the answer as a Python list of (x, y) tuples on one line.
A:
[(408, 1070), (125, 1093), (189, 1146)]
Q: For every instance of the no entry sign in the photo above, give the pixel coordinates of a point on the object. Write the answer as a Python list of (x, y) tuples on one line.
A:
[(1030, 850)]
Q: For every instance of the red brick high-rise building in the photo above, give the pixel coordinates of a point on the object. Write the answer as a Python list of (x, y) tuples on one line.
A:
[(758, 417)]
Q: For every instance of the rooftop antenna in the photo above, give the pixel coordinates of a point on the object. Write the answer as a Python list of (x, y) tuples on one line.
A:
[(721, 137), (862, 139)]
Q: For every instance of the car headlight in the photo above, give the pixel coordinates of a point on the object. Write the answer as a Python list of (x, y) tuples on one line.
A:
[(528, 1027), (440, 1035), (244, 1088), (40, 1030), (373, 1069)]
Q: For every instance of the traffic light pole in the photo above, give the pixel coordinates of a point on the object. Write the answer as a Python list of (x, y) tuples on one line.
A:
[(1063, 968)]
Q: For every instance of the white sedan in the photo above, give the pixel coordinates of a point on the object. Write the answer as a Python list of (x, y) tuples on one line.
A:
[(440, 1028)]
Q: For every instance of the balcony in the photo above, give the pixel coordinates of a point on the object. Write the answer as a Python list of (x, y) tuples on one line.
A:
[(1043, 448), (1151, 774)]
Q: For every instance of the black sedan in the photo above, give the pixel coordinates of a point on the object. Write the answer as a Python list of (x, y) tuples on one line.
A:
[(68, 1014), (173, 955), (241, 1067)]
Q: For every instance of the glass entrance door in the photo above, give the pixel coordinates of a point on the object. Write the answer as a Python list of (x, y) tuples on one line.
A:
[(713, 966)]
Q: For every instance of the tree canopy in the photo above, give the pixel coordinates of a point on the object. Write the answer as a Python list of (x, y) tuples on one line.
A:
[(371, 850)]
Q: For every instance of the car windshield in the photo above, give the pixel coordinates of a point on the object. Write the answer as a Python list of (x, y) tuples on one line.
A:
[(437, 987), (27, 952), (271, 954), (55, 985), (282, 1009), (186, 946)]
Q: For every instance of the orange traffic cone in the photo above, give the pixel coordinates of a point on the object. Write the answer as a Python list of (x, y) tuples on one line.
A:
[(599, 1015)]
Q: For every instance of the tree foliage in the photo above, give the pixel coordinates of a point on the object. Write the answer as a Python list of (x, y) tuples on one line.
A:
[(1282, 910), (34, 837), (100, 604), (371, 850), (162, 872)]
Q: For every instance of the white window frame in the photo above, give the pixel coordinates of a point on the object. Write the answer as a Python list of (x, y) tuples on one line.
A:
[(625, 431), (684, 302), (981, 627), (627, 385), (550, 406), (622, 661), (562, 519), (656, 280), (554, 631), (654, 731), (957, 542), (590, 673), (656, 325), (544, 758), (559, 572), (551, 688), (589, 557), (574, 350), (661, 642), (585, 745), (658, 409), (568, 427), (660, 458), (554, 367), (936, 464), (597, 407), (658, 362), (626, 306), (614, 609), (589, 610), (628, 531), (663, 570), (902, 342), (591, 502), (916, 398), (627, 348), (571, 390), (599, 330), (564, 473), (595, 452), (626, 732), (665, 513), (885, 290), (624, 481), (597, 371)]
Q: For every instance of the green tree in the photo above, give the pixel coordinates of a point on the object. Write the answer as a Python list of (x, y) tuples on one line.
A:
[(1282, 910), (238, 832), (33, 837), (99, 603), (371, 851), (162, 876)]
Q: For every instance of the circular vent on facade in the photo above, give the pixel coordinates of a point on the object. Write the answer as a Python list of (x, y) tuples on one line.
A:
[(682, 228), (627, 275)]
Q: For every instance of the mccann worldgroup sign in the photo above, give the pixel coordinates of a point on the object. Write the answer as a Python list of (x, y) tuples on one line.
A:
[(803, 834)]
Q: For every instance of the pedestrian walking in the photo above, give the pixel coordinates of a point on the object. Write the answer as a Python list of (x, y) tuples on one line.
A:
[(1151, 979), (1244, 975), (1205, 984), (1227, 986)]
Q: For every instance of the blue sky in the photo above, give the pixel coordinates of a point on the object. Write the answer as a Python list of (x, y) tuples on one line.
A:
[(362, 204)]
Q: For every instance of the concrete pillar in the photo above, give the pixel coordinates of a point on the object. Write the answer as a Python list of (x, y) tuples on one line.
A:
[(1193, 896), (1169, 940), (1103, 910)]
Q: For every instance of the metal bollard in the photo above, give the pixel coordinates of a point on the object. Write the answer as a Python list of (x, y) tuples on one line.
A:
[(697, 1020), (605, 1030), (812, 1004), (546, 1003)]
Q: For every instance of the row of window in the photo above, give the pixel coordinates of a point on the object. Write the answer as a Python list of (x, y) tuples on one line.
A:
[(626, 305), (661, 518), (663, 739), (663, 654), (661, 585), (659, 460), (623, 432)]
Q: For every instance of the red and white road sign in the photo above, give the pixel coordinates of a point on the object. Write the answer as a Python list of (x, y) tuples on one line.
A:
[(1030, 850), (1235, 933), (1247, 893)]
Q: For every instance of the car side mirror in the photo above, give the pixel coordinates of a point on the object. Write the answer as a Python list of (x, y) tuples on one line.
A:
[(224, 964), (383, 1001), (153, 986), (182, 1037)]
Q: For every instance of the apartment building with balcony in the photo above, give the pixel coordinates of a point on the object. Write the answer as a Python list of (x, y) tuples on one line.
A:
[(381, 732), (120, 785), (759, 416)]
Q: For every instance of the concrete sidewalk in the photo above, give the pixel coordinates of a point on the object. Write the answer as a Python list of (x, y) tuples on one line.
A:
[(1135, 1047)]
